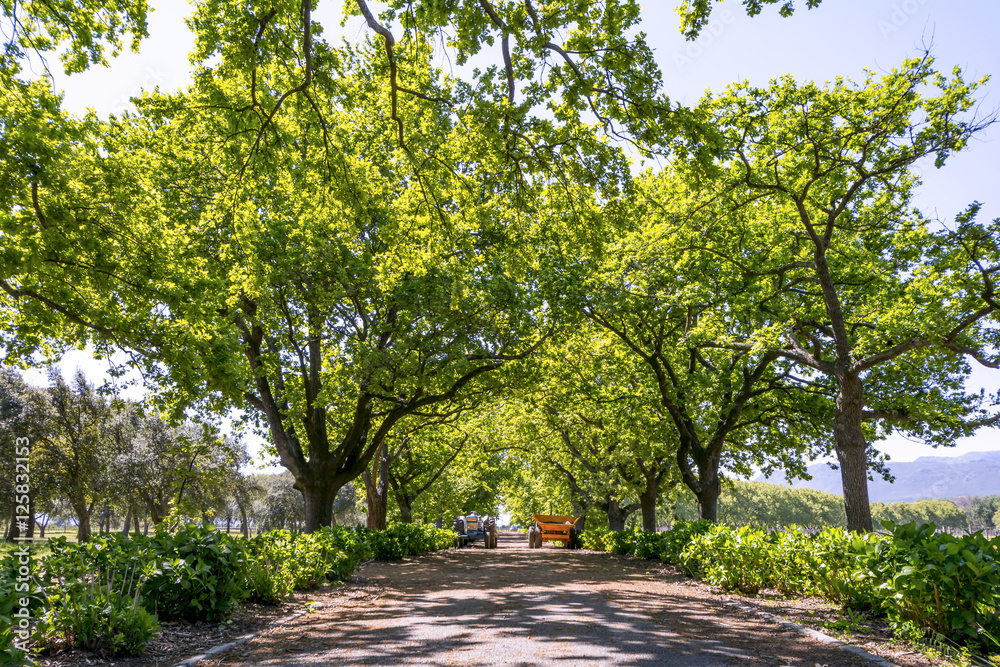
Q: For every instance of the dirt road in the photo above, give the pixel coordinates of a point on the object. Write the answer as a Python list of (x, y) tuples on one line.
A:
[(515, 606)]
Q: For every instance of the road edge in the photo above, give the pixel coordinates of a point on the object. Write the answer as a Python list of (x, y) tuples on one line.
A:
[(815, 634), (222, 648)]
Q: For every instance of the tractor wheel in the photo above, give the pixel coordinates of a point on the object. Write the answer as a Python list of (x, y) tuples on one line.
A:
[(494, 538), (531, 537)]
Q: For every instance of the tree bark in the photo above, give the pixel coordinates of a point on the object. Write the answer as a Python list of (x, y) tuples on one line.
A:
[(318, 495), (580, 509), (709, 488), (647, 503), (128, 522), (616, 515), (377, 488), (13, 532), (31, 517), (405, 507), (244, 524), (852, 452), (82, 511)]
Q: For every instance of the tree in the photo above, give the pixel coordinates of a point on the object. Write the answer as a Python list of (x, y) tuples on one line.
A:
[(421, 465), (279, 506), (865, 297), (660, 295), (77, 443), (695, 13), (189, 468), (405, 281), (982, 511), (942, 513), (15, 424)]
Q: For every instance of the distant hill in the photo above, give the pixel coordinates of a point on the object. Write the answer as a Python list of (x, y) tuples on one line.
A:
[(973, 474)]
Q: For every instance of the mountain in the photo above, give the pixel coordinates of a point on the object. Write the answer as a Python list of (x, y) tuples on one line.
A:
[(973, 474)]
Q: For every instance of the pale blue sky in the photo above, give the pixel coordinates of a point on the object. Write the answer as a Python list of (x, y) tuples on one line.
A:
[(840, 38)]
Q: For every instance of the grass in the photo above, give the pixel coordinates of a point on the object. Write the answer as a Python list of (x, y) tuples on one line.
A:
[(39, 546)]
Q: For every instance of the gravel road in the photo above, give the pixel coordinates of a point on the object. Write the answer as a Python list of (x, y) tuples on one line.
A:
[(518, 606)]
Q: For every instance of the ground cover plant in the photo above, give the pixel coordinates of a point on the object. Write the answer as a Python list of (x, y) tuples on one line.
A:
[(919, 579), (108, 595)]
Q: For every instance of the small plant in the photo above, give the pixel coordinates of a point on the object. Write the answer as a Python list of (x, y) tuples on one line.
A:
[(853, 622), (198, 573), (736, 559), (9, 602), (101, 612), (270, 568)]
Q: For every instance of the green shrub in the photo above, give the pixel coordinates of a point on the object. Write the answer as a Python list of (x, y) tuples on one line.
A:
[(99, 611), (199, 574), (819, 564), (736, 559), (936, 580), (196, 574), (9, 604), (673, 541), (623, 542), (270, 568), (597, 539), (402, 540)]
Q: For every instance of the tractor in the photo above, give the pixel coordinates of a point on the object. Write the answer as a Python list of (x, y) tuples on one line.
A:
[(473, 527)]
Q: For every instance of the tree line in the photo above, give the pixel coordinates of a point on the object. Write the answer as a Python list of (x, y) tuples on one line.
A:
[(359, 248)]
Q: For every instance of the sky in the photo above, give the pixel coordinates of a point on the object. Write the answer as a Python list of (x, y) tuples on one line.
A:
[(840, 38)]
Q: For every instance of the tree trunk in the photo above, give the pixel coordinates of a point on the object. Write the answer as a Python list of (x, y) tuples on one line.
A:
[(377, 488), (647, 502), (852, 452), (30, 533), (405, 507), (616, 517), (709, 488), (318, 496), (13, 532), (580, 509), (82, 511), (128, 522), (244, 524)]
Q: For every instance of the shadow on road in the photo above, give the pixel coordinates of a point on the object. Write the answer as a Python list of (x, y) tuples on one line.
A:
[(520, 606)]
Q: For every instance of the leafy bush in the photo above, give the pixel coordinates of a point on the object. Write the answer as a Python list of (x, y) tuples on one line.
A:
[(199, 574), (919, 579), (196, 574), (270, 571), (9, 605), (96, 615), (673, 541), (737, 559), (597, 539), (936, 580), (402, 540)]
